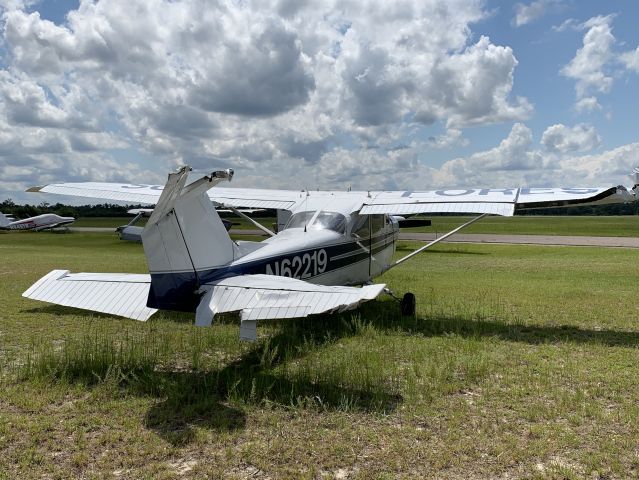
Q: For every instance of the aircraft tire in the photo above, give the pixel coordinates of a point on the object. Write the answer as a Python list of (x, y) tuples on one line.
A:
[(407, 305)]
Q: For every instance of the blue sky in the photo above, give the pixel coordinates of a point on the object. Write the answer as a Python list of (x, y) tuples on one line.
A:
[(413, 94)]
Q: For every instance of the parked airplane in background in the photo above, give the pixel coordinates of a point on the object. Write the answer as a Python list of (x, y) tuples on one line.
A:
[(332, 240), (40, 222), (133, 233)]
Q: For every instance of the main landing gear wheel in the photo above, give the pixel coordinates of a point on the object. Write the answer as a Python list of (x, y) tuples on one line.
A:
[(407, 305)]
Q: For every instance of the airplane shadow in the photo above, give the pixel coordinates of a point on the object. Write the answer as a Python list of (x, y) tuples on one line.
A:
[(211, 399), (385, 316), (185, 400), (60, 310), (201, 397)]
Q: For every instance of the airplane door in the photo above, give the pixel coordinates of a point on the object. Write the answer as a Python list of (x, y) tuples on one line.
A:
[(377, 224), (362, 231)]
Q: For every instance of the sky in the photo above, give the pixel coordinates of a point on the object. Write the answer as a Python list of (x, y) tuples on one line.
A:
[(403, 95)]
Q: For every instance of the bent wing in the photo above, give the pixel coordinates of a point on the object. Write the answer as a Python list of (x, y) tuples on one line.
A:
[(505, 201), (267, 297), (122, 294)]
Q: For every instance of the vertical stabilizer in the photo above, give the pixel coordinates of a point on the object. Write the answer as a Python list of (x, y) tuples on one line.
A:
[(4, 220), (184, 239)]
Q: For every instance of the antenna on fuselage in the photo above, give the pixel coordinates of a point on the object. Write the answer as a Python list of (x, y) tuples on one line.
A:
[(305, 206)]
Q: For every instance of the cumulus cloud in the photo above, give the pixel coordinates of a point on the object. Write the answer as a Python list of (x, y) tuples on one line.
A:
[(473, 87), (518, 161), (451, 138), (528, 13), (631, 59), (580, 138), (595, 64), (587, 104), (513, 153), (254, 85), (588, 67)]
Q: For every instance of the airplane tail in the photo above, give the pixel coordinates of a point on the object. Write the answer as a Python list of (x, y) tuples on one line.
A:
[(184, 240), (4, 220)]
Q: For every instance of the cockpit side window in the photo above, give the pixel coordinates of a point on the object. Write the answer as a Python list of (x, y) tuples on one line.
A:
[(361, 226), (330, 221)]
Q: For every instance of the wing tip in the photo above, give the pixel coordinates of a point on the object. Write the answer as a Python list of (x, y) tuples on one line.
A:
[(35, 189)]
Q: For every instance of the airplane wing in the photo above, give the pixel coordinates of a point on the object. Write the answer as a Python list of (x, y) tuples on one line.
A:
[(500, 201), (150, 194), (505, 201), (267, 297), (122, 294)]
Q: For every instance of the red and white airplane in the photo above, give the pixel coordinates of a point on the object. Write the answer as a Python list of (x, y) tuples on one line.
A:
[(331, 242), (39, 222)]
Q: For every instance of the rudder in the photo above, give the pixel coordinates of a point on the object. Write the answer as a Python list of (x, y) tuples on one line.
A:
[(185, 239)]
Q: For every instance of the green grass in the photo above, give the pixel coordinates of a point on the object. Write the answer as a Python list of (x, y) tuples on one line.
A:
[(520, 363), (617, 226)]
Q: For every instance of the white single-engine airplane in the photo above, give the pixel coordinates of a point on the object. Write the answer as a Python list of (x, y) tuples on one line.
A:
[(39, 222), (332, 241)]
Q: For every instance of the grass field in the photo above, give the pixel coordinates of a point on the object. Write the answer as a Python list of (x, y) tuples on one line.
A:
[(620, 226), (522, 362)]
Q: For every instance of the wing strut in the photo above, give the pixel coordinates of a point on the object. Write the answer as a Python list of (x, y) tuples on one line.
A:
[(437, 240), (246, 217)]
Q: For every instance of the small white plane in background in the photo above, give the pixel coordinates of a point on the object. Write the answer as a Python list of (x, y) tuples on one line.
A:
[(39, 222), (133, 233), (331, 241)]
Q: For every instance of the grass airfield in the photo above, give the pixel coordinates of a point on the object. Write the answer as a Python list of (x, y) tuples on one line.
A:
[(522, 362)]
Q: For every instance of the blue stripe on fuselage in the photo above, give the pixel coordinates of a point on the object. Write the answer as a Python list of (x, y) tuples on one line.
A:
[(176, 290)]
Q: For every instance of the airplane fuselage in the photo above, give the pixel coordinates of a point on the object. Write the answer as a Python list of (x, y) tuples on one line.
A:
[(323, 257), (39, 222)]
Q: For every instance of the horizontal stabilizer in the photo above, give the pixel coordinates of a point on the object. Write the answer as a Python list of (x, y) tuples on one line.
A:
[(267, 297), (115, 293)]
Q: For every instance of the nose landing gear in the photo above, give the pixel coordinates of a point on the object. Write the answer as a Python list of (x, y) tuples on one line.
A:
[(407, 305)]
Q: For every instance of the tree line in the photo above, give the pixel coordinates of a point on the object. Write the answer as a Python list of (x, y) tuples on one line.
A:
[(9, 207)]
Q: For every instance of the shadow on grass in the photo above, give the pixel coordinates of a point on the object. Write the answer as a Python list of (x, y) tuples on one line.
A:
[(253, 379), (208, 398), (69, 311), (385, 316), (61, 310)]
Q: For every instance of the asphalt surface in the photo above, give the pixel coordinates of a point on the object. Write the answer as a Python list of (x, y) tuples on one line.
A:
[(573, 240)]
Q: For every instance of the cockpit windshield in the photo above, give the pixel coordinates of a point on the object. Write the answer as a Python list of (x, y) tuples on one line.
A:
[(322, 221), (299, 220)]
